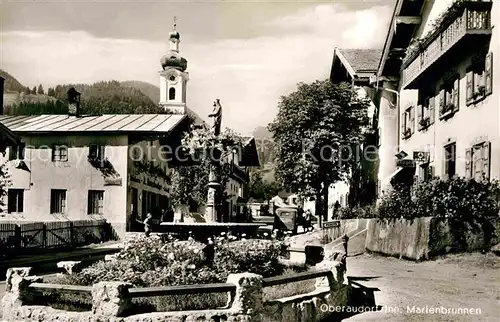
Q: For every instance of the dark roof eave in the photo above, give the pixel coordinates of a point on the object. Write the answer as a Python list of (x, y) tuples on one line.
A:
[(391, 32)]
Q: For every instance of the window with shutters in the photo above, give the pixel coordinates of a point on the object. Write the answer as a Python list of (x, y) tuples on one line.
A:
[(60, 153), (479, 79), (16, 152), (449, 97), (450, 159), (408, 122), (425, 111), (15, 202), (96, 152), (95, 202), (57, 201), (478, 161)]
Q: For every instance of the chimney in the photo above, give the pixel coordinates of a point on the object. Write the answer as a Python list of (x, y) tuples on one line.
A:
[(1, 94), (73, 102)]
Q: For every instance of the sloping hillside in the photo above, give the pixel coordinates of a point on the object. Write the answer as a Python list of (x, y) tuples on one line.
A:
[(150, 90), (11, 84)]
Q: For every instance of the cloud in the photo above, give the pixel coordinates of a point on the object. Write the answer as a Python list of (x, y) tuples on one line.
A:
[(248, 75)]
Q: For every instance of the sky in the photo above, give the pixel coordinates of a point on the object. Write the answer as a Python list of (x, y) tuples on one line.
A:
[(246, 53)]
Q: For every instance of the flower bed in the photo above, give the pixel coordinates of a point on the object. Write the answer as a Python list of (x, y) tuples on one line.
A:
[(149, 262)]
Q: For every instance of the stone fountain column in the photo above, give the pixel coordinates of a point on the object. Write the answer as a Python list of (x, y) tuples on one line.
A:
[(212, 199)]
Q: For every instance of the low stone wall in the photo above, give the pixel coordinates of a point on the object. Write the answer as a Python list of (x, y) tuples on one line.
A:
[(425, 237), (110, 301)]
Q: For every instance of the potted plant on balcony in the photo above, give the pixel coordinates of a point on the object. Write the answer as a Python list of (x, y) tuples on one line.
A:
[(424, 122), (481, 90)]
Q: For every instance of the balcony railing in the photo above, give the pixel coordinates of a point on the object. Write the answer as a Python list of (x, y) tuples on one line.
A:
[(465, 20)]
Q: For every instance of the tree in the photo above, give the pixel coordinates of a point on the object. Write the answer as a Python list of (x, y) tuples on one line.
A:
[(260, 189), (189, 182), (33, 91), (4, 185), (27, 90), (51, 92), (40, 90), (317, 130)]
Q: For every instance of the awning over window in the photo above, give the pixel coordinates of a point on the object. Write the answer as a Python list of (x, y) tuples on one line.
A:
[(399, 174)]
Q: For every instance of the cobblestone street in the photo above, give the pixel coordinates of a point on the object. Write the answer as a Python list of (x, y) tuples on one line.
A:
[(456, 282)]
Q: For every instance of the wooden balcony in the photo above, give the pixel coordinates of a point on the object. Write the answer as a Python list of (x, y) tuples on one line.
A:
[(467, 27)]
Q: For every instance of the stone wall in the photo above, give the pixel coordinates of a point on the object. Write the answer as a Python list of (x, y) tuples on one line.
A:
[(110, 301), (423, 238)]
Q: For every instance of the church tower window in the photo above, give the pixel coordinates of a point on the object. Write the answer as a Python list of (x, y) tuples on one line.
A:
[(171, 93)]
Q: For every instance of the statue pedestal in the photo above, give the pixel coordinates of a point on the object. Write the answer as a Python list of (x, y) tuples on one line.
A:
[(212, 204)]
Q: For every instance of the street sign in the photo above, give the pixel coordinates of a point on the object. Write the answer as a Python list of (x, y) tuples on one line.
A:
[(406, 163), (331, 224), (421, 156)]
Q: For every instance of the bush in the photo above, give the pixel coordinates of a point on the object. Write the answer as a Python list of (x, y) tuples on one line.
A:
[(254, 256), (357, 212), (457, 198), (149, 262)]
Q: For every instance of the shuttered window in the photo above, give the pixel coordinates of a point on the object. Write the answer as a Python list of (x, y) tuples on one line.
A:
[(478, 161), (57, 201), (60, 153), (95, 202), (480, 79), (15, 202), (16, 152), (450, 160)]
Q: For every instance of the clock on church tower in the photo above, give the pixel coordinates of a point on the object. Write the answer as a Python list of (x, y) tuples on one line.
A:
[(173, 77)]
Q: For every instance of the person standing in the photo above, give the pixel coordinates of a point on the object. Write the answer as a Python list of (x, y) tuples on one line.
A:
[(147, 224), (307, 219)]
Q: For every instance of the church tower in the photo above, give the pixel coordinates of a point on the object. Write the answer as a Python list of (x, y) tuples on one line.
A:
[(173, 77)]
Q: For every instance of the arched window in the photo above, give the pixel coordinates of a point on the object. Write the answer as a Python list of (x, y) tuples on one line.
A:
[(171, 93)]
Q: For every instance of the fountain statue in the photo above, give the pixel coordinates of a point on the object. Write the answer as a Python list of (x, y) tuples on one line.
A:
[(213, 185)]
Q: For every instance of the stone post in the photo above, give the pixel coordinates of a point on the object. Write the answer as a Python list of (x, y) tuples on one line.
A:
[(70, 267), (248, 296), (109, 299), (16, 291), (338, 269)]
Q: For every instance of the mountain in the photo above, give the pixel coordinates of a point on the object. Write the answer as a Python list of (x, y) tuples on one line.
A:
[(261, 132), (153, 92), (11, 84), (150, 90)]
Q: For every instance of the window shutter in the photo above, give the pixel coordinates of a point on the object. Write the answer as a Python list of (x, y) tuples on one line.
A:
[(432, 110), (420, 116), (412, 119), (489, 73), (442, 95), (456, 94), (468, 163), (486, 159), (403, 124), (470, 85)]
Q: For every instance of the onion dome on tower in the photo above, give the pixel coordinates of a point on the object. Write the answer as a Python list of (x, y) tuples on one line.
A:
[(173, 59)]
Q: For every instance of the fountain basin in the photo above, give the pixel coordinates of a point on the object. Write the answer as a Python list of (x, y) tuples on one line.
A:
[(202, 231)]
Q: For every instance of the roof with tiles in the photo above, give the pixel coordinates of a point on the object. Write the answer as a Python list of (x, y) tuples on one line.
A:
[(362, 60), (111, 123)]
